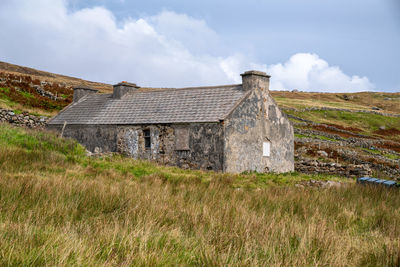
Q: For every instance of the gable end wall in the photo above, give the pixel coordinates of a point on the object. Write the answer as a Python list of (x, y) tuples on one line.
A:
[(255, 120)]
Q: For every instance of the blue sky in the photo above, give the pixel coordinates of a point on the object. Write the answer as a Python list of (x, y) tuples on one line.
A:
[(311, 45)]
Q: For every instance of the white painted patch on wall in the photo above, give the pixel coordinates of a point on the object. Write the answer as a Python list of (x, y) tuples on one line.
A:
[(266, 149)]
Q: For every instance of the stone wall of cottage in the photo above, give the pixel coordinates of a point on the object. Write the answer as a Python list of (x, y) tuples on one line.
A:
[(96, 138), (194, 145), (255, 121)]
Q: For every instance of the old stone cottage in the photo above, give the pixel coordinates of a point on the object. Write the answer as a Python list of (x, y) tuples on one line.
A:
[(232, 128)]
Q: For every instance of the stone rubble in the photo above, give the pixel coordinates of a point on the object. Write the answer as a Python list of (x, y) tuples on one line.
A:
[(319, 183), (340, 151)]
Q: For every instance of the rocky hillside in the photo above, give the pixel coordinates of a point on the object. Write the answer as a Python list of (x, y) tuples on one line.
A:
[(345, 134), (51, 77), (342, 134), (27, 89)]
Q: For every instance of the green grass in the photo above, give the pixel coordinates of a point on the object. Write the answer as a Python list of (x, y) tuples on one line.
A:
[(321, 137), (382, 153), (61, 208), (301, 136), (315, 136), (4, 90), (26, 94), (5, 98), (392, 156), (376, 152)]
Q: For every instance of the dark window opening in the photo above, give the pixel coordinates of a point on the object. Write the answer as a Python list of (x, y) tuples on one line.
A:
[(147, 139)]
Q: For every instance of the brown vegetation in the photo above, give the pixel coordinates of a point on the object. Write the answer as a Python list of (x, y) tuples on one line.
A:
[(20, 89), (386, 132), (327, 129), (8, 68), (395, 146), (350, 129)]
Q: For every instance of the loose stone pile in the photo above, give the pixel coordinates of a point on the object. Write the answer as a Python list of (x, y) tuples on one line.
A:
[(319, 183), (23, 119)]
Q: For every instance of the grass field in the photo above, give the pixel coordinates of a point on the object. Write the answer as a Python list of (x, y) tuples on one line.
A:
[(59, 207)]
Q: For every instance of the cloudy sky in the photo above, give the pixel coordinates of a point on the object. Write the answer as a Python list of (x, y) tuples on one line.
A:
[(310, 45)]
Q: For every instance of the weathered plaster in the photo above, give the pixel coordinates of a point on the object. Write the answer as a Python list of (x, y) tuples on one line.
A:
[(254, 121)]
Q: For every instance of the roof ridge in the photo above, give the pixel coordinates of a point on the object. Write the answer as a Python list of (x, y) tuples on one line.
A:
[(213, 86)]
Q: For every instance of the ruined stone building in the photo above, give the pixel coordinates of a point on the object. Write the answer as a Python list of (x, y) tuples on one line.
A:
[(231, 128)]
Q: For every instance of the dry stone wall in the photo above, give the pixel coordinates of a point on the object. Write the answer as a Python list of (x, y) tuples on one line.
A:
[(22, 119), (315, 167)]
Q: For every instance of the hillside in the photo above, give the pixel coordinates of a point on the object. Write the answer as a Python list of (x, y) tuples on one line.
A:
[(60, 207), (52, 77), (45, 93), (343, 134), (380, 101)]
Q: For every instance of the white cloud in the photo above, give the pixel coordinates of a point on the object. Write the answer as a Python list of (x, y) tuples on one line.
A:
[(167, 49), (308, 72)]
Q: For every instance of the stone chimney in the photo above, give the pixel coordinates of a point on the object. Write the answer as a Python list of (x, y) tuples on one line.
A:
[(82, 91), (123, 88), (255, 79)]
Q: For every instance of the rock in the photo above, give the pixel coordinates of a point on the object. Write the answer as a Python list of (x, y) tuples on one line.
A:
[(314, 163), (347, 97), (329, 184), (11, 113), (322, 153), (382, 127)]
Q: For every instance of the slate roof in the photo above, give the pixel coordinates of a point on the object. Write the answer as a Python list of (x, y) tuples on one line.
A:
[(153, 106)]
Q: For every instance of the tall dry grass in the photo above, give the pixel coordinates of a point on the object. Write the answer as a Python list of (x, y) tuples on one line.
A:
[(58, 209)]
